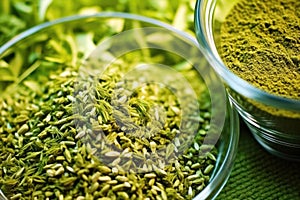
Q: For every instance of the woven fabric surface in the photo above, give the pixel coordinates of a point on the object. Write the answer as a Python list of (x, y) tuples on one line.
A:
[(260, 175)]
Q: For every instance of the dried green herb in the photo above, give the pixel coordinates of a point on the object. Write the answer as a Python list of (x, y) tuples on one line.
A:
[(48, 152), (17, 16), (260, 43)]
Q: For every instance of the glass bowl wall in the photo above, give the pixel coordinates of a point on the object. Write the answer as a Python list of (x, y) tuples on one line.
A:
[(273, 120), (39, 51)]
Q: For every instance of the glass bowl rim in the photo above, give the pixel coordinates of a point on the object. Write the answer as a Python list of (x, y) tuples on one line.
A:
[(105, 14), (234, 81), (221, 176)]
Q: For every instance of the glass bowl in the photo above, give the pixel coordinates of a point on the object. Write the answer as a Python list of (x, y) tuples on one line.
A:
[(273, 120), (50, 65)]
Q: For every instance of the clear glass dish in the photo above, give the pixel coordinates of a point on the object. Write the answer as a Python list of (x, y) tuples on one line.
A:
[(273, 120), (38, 49)]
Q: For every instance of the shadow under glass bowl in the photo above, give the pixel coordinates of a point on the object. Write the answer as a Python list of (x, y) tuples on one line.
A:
[(37, 50), (273, 120)]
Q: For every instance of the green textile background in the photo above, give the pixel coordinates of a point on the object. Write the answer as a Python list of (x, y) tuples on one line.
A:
[(260, 175)]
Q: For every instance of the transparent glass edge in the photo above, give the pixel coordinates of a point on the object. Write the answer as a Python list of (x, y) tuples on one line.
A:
[(239, 85), (213, 189), (233, 122), (105, 14)]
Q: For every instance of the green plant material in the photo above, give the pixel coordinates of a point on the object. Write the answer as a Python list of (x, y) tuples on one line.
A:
[(177, 12), (47, 149), (260, 43), (62, 166), (10, 25), (17, 15)]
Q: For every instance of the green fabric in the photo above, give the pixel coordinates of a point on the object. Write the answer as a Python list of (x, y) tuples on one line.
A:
[(260, 175)]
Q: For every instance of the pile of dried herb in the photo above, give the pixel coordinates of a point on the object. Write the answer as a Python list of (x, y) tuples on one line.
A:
[(260, 43), (50, 149)]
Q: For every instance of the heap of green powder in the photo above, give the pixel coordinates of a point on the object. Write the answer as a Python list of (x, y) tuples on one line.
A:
[(260, 42)]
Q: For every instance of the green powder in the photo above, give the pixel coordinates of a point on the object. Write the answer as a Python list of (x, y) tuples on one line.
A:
[(260, 42)]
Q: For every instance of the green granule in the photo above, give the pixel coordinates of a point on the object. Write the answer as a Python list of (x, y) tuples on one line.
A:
[(260, 42), (66, 138)]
